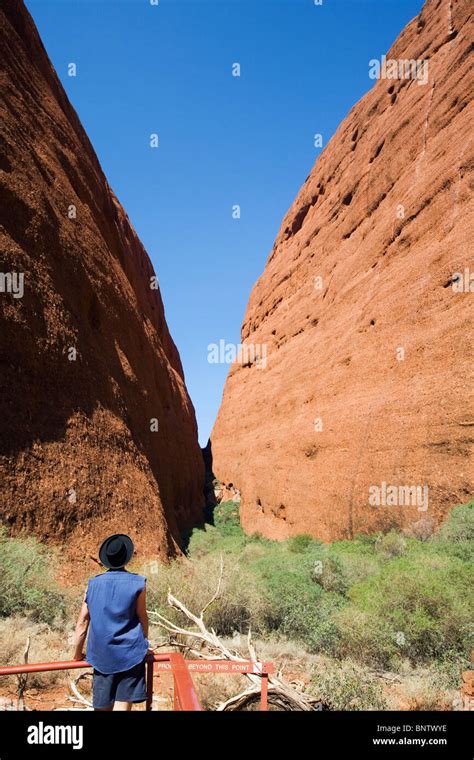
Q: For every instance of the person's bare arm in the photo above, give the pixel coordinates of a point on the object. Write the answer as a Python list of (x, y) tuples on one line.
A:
[(81, 631), (141, 611)]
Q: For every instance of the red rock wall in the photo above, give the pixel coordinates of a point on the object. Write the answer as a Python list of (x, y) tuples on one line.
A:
[(467, 690), (78, 456), (386, 284)]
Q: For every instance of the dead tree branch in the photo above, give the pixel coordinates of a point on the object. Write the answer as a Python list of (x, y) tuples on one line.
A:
[(23, 678), (73, 683), (280, 692)]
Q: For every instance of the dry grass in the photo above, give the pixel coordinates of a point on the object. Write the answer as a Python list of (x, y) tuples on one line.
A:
[(214, 688), (411, 688), (421, 689), (46, 645)]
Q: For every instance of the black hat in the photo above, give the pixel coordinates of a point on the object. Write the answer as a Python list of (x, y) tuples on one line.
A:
[(116, 551)]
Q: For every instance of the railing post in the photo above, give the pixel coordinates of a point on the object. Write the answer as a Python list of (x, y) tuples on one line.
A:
[(185, 695), (149, 683), (175, 694), (264, 692)]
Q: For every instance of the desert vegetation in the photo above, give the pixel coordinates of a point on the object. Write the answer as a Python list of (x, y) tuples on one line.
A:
[(379, 599), (380, 621)]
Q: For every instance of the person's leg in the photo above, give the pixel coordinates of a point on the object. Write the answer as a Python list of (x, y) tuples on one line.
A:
[(124, 706), (130, 687), (103, 691)]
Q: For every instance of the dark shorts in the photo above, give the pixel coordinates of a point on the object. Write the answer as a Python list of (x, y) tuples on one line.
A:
[(127, 686)]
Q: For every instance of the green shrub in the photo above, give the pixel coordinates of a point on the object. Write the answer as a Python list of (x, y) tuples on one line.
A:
[(418, 607), (362, 539), (392, 544), (340, 565), (346, 687), (227, 519), (240, 602), (204, 540), (297, 607), (26, 582), (299, 544), (331, 574), (459, 527), (380, 599), (448, 668)]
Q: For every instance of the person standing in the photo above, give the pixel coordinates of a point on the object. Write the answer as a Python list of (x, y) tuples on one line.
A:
[(114, 613)]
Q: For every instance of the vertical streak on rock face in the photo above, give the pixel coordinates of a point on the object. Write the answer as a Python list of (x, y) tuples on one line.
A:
[(87, 359), (385, 219)]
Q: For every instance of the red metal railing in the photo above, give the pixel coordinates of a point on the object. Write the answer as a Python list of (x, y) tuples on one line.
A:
[(227, 667), (185, 697)]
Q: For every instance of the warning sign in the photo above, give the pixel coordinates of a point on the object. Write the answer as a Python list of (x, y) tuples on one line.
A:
[(219, 666)]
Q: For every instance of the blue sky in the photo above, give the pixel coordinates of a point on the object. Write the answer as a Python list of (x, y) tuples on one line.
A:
[(223, 140)]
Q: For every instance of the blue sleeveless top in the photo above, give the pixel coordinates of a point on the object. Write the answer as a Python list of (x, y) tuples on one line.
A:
[(116, 641)]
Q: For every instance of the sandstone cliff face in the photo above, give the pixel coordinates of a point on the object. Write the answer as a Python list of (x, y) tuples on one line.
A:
[(87, 359), (384, 220)]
